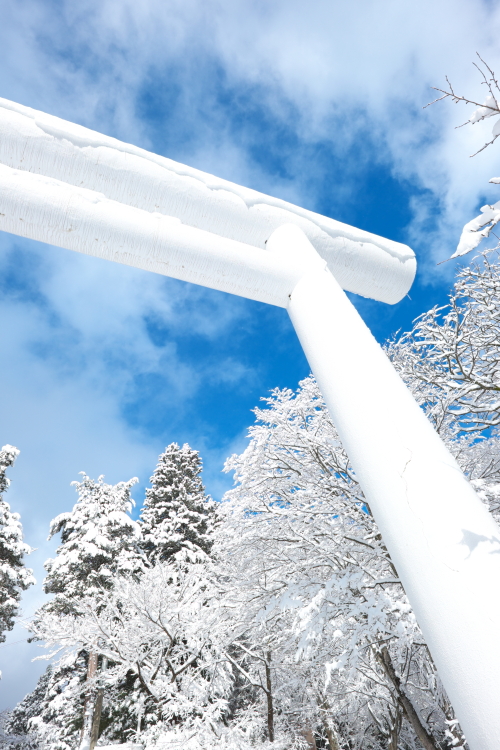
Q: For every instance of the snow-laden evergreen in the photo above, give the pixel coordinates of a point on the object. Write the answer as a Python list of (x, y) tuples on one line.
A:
[(177, 513), (99, 540), (14, 576), (50, 716), (30, 707)]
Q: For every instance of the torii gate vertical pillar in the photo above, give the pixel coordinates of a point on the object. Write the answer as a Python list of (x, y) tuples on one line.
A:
[(442, 539)]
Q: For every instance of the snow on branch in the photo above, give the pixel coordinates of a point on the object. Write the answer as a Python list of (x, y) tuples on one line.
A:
[(489, 108), (483, 225)]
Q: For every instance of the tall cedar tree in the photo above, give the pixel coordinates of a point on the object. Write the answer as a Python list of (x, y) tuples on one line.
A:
[(99, 541), (177, 514), (14, 577)]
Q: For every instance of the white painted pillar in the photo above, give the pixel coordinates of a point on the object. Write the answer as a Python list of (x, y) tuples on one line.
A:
[(441, 538)]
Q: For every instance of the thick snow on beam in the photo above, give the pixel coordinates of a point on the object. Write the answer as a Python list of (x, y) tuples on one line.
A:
[(35, 142), (57, 213)]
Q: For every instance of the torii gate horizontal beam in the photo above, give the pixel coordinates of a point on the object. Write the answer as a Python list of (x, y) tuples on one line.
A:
[(44, 145), (63, 184)]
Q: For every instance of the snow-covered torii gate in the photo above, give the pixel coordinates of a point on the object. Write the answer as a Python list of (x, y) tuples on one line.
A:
[(69, 186)]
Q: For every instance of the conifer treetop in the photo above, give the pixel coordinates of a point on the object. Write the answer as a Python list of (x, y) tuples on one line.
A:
[(177, 514), (98, 541)]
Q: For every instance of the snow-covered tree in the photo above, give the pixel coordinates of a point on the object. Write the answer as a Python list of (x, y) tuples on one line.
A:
[(99, 540), (51, 715), (483, 225), (19, 721), (162, 630), (177, 513), (451, 357), (103, 556), (306, 568), (312, 586), (14, 576)]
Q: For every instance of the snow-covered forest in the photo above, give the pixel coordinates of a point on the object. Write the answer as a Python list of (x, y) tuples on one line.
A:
[(275, 618)]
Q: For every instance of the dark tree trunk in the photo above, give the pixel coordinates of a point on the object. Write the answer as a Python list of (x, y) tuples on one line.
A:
[(96, 719), (88, 709), (395, 728), (427, 740), (269, 695), (331, 735), (308, 735)]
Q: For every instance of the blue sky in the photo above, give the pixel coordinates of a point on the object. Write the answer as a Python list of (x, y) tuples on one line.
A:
[(317, 103)]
